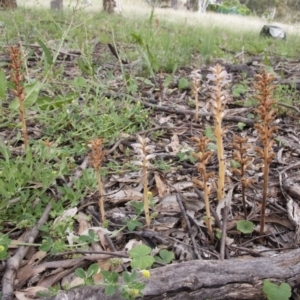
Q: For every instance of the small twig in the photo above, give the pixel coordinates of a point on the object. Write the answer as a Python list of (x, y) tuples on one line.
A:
[(118, 254), (13, 263), (188, 225), (224, 232), (113, 248)]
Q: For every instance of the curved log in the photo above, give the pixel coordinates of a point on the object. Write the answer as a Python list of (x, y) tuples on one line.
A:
[(234, 279)]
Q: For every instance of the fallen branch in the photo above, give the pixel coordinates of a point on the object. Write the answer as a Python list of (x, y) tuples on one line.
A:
[(233, 279)]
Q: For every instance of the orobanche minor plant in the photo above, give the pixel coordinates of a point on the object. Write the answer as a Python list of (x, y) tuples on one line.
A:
[(219, 98), (203, 156), (17, 79), (96, 158), (144, 154), (265, 128)]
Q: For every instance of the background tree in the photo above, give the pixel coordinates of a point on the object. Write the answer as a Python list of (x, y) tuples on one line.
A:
[(6, 4), (56, 4)]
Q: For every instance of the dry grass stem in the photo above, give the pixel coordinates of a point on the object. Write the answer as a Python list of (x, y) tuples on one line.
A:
[(266, 112), (96, 158), (203, 156), (17, 78), (219, 98)]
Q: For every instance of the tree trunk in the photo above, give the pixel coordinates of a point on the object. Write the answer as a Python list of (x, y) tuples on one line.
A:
[(8, 4), (234, 279), (56, 4), (108, 6)]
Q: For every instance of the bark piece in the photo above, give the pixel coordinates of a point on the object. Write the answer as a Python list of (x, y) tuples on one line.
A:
[(235, 279)]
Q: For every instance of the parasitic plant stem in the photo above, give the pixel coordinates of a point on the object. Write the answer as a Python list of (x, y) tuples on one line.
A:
[(96, 157), (265, 129), (219, 97), (17, 78)]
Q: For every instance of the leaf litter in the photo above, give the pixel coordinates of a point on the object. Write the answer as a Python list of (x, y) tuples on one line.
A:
[(170, 108)]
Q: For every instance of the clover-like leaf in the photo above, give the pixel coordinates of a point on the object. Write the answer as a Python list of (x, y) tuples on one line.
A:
[(277, 292), (245, 226)]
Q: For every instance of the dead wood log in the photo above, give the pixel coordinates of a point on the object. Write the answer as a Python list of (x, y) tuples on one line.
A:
[(234, 279)]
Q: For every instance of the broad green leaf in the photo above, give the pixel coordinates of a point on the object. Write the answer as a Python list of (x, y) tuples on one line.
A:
[(3, 85), (132, 224), (110, 290), (245, 226), (277, 292), (47, 52), (139, 251), (93, 270), (31, 95), (166, 256), (126, 277), (183, 83), (80, 273), (143, 262)]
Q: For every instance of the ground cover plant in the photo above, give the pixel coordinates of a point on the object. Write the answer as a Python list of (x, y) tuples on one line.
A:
[(134, 148)]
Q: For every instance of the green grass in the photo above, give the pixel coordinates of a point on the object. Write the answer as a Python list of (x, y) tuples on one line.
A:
[(70, 110)]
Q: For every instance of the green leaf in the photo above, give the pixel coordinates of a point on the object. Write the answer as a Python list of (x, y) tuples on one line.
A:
[(110, 290), (139, 251), (31, 95), (80, 273), (168, 80), (245, 226), (275, 292), (110, 277), (241, 125), (138, 206), (235, 164), (93, 270), (183, 83), (127, 277), (132, 224), (209, 133), (3, 85), (49, 57), (137, 38), (143, 262), (166, 256)]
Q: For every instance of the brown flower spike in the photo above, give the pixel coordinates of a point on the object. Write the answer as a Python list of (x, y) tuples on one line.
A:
[(203, 156), (96, 158), (17, 79), (265, 129), (219, 98)]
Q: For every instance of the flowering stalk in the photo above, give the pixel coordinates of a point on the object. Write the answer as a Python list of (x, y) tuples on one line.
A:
[(144, 155), (195, 91), (96, 157), (265, 129), (203, 156), (219, 98), (240, 155), (17, 78)]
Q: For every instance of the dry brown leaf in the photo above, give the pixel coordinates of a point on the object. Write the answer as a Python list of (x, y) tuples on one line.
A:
[(160, 185), (29, 293), (83, 223)]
